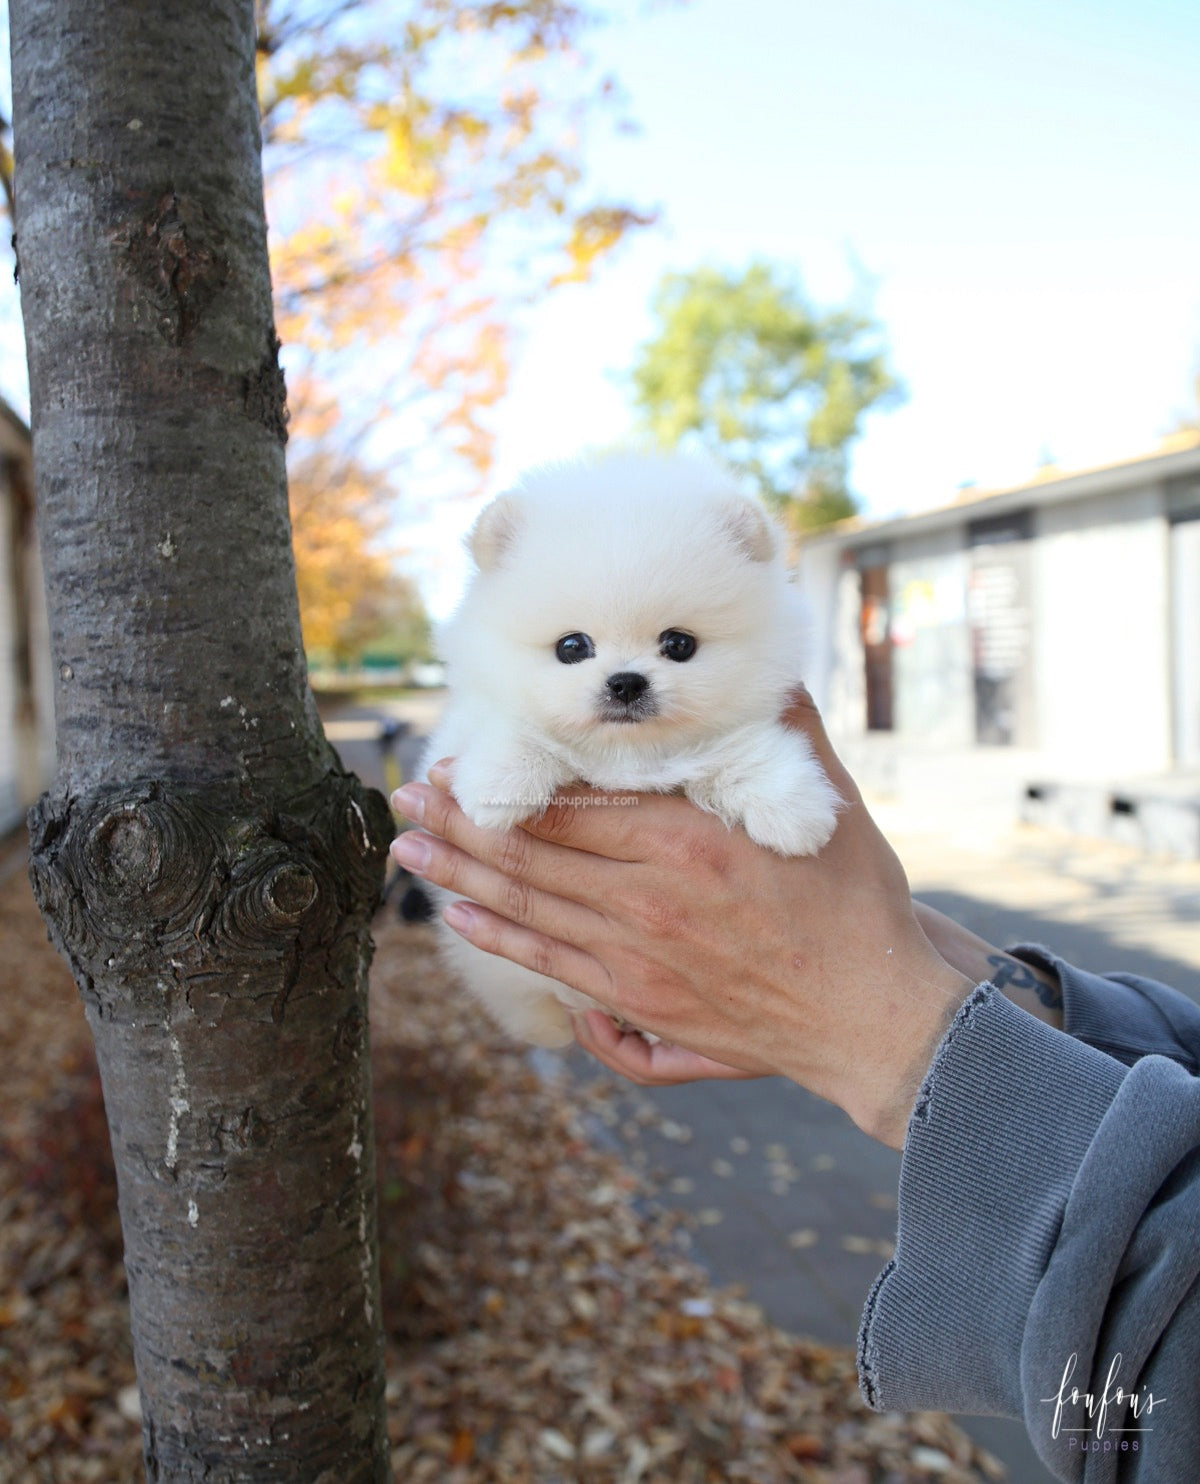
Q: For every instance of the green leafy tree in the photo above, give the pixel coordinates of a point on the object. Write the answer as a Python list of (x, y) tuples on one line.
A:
[(745, 367)]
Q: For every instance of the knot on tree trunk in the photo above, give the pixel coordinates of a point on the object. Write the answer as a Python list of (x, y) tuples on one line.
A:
[(152, 880), (178, 257)]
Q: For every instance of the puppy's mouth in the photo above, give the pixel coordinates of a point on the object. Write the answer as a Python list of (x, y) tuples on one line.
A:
[(623, 713)]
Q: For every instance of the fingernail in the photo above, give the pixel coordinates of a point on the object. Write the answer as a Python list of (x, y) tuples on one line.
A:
[(442, 772), (410, 802), (459, 916), (412, 850)]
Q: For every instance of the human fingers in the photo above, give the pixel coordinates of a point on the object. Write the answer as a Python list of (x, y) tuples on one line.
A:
[(651, 1064), (533, 950), (802, 715), (541, 864), (629, 827), (436, 860)]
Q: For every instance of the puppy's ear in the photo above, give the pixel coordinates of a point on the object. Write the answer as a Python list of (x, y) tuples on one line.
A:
[(494, 532), (750, 528)]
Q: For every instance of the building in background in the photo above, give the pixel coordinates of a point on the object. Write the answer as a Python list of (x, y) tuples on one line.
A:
[(1058, 621), (26, 693)]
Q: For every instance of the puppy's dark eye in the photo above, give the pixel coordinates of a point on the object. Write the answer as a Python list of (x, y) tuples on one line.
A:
[(674, 644), (572, 648)]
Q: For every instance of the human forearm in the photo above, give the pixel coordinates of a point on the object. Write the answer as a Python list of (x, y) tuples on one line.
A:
[(1032, 987)]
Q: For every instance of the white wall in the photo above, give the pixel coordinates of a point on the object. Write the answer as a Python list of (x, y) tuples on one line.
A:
[(835, 672), (1185, 640), (1100, 602), (1101, 633)]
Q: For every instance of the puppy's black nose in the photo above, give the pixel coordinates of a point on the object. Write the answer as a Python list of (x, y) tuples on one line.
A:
[(627, 685)]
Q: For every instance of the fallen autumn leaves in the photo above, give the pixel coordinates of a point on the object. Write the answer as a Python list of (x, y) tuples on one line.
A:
[(544, 1323)]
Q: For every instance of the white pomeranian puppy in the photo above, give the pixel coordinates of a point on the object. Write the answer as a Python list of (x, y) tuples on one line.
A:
[(630, 625)]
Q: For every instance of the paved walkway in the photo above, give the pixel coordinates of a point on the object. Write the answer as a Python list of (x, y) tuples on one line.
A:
[(789, 1198)]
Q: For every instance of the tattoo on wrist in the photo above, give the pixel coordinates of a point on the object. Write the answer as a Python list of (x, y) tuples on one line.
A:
[(1009, 972)]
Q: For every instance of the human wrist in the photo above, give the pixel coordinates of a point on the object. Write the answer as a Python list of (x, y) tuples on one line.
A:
[(883, 1087), (1034, 987)]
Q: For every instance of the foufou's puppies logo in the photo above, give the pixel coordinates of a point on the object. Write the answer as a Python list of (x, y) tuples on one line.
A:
[(1090, 1419)]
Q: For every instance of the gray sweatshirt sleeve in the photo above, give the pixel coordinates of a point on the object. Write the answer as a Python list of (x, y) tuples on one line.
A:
[(1123, 1014), (1048, 1242)]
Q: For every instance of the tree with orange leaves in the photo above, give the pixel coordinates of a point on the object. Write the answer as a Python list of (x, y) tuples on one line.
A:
[(351, 591), (424, 186)]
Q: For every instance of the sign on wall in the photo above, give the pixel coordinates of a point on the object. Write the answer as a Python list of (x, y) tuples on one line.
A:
[(998, 612)]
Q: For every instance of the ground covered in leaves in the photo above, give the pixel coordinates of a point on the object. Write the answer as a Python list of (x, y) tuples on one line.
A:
[(545, 1324)]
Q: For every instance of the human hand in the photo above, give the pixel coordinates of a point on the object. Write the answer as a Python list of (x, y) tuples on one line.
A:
[(813, 967), (650, 1063)]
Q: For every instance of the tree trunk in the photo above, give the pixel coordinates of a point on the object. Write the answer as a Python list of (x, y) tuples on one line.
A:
[(202, 860)]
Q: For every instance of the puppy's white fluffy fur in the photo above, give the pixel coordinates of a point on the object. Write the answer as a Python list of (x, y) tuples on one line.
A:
[(624, 549)]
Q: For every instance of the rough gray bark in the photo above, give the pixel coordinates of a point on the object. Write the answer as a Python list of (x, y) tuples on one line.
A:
[(202, 861)]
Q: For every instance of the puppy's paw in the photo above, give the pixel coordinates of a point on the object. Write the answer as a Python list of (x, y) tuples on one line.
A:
[(795, 825), (497, 796), (490, 816), (779, 794)]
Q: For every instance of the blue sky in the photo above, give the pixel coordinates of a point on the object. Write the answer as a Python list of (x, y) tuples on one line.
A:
[(1021, 181)]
